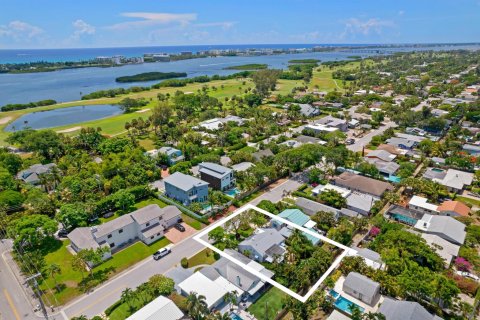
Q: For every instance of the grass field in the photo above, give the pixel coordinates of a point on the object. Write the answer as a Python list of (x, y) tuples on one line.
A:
[(70, 281), (113, 126), (268, 305), (203, 257)]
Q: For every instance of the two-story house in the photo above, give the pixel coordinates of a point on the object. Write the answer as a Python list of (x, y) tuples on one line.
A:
[(147, 224), (219, 177), (185, 188)]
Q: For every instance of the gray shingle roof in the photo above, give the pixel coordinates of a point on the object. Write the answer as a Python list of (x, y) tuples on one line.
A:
[(382, 155), (146, 214), (214, 170), (312, 207), (404, 310), (362, 184), (183, 181), (262, 153), (358, 282), (444, 225), (264, 240), (401, 141)]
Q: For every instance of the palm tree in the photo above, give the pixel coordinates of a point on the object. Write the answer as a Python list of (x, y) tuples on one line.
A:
[(78, 264), (231, 298), (128, 297), (54, 270), (196, 305)]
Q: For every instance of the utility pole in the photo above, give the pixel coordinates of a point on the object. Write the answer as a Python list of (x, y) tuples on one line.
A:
[(37, 292)]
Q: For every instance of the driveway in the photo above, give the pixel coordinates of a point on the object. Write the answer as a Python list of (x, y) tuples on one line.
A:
[(175, 236), (363, 141)]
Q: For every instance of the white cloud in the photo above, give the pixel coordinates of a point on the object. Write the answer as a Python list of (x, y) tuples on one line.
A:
[(401, 12), (82, 28), (356, 26), (20, 31), (224, 25), (152, 19)]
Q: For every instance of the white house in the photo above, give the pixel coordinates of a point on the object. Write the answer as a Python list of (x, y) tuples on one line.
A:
[(160, 308)]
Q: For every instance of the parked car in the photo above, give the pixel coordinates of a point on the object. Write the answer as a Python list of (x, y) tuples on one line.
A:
[(161, 253), (179, 227), (467, 275), (349, 141), (108, 215), (62, 233)]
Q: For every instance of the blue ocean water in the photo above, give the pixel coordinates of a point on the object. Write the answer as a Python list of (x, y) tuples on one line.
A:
[(81, 54), (71, 84)]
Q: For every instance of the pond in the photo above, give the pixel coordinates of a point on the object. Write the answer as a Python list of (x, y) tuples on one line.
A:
[(63, 116)]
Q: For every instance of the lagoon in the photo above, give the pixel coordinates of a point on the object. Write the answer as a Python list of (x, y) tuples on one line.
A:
[(63, 116)]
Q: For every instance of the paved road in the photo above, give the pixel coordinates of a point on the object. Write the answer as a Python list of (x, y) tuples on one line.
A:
[(14, 303), (101, 298), (363, 141)]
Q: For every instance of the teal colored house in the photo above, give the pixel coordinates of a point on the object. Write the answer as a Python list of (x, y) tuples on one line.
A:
[(299, 218)]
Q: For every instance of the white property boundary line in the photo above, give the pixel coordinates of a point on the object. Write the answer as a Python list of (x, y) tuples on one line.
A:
[(260, 275)]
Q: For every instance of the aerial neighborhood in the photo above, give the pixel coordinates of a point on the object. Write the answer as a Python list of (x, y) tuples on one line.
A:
[(263, 194)]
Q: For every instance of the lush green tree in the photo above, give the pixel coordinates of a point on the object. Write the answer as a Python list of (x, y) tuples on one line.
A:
[(333, 198), (6, 180), (265, 81), (11, 199), (31, 231), (54, 270), (161, 285), (128, 296), (197, 306), (325, 220), (124, 199), (73, 215), (368, 169)]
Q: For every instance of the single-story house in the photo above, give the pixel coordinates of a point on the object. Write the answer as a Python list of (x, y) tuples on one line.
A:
[(340, 124), (382, 155), (360, 202), (320, 128), (311, 207), (308, 110), (362, 184), (264, 245), (445, 249), (259, 155), (371, 258), (362, 288), (213, 291), (336, 315), (402, 143), (173, 155), (453, 209), (412, 137), (404, 215), (33, 174), (300, 219), (443, 226), (454, 180), (217, 123), (308, 139), (404, 310), (242, 166), (234, 277), (421, 204), (160, 308), (386, 168), (474, 150)]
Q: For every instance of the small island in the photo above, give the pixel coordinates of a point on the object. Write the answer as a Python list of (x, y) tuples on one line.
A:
[(304, 61), (252, 66), (150, 76)]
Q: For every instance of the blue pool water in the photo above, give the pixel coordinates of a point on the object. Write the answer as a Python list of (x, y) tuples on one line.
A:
[(334, 294), (235, 316), (346, 305), (394, 179), (407, 220), (232, 192)]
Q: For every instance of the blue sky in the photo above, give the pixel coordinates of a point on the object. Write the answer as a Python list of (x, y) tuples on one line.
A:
[(109, 23)]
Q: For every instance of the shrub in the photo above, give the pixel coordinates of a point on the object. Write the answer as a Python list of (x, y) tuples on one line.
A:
[(184, 263), (114, 306)]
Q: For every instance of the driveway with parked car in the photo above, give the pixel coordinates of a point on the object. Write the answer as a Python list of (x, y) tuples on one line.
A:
[(175, 235)]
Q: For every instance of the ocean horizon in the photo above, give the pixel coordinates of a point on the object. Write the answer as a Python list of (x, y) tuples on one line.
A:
[(82, 54)]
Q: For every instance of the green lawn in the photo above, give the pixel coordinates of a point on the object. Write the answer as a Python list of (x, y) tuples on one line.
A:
[(268, 305), (150, 201), (203, 257), (468, 201), (70, 281)]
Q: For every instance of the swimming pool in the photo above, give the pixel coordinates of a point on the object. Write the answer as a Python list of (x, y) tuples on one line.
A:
[(334, 294), (232, 192), (346, 305), (394, 179), (235, 316)]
